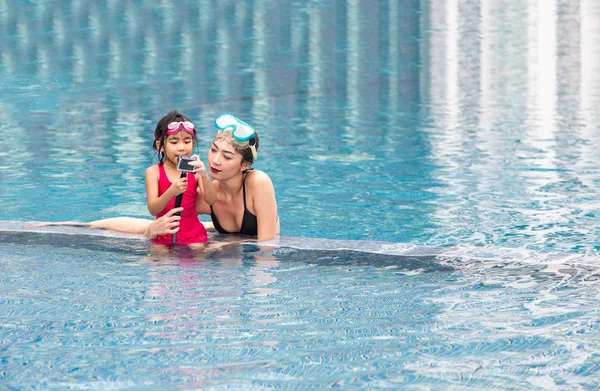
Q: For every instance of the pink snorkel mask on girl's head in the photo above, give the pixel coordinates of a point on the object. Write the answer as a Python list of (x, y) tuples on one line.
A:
[(237, 132), (175, 127)]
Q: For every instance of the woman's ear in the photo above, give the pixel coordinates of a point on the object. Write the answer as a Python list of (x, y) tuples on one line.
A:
[(245, 166)]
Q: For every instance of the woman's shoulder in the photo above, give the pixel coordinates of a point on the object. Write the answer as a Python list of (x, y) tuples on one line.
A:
[(259, 178), (259, 184)]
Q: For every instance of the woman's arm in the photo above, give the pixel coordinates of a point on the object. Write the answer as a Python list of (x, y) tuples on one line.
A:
[(265, 205), (202, 207), (167, 224), (207, 194), (210, 194)]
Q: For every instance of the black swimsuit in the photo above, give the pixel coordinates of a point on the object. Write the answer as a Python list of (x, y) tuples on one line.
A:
[(249, 223)]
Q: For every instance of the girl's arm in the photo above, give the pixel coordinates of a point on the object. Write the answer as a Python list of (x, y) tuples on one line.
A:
[(265, 205), (155, 203)]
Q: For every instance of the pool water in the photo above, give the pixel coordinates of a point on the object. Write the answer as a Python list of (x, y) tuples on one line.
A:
[(91, 315), (436, 177)]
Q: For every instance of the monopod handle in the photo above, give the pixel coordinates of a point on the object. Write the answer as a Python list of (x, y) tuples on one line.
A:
[(177, 205)]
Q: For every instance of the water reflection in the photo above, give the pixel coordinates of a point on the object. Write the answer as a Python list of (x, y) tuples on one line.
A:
[(525, 82), (181, 279)]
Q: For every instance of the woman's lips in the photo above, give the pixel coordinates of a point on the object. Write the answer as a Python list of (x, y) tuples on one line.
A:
[(212, 169)]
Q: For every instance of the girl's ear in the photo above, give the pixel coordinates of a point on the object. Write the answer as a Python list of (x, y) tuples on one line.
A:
[(157, 145)]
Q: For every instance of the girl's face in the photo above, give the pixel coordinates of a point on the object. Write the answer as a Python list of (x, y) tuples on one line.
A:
[(223, 160), (180, 143)]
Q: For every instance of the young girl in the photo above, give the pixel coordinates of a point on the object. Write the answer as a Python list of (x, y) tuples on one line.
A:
[(175, 135)]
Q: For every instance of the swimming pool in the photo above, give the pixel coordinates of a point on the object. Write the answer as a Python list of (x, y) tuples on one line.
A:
[(436, 175)]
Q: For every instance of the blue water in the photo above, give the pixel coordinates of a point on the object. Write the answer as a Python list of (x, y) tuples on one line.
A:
[(435, 167)]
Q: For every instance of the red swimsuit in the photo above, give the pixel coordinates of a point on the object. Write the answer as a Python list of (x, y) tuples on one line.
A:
[(191, 229)]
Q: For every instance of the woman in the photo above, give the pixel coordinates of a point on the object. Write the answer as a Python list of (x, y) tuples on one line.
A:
[(245, 202)]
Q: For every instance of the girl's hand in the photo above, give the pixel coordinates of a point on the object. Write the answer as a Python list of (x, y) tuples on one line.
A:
[(179, 185)]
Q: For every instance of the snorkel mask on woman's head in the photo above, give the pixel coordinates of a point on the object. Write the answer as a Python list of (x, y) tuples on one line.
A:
[(237, 132)]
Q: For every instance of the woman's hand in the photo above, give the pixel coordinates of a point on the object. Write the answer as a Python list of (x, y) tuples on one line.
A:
[(199, 168), (167, 224)]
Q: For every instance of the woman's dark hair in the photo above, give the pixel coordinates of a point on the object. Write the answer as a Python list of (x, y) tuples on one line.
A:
[(160, 133), (246, 152)]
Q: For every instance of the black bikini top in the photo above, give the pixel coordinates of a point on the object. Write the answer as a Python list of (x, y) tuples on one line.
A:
[(249, 223)]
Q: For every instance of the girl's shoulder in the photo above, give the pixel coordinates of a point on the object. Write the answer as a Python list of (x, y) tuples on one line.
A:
[(152, 171)]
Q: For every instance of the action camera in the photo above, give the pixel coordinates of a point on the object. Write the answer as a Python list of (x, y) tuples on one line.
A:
[(183, 163)]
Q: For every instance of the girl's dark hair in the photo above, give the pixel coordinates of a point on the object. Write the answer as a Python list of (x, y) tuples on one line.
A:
[(160, 133), (246, 152)]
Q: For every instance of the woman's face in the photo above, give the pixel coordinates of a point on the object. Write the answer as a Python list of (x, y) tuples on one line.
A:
[(223, 160)]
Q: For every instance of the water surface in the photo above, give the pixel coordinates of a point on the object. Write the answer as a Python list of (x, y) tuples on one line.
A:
[(435, 165)]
